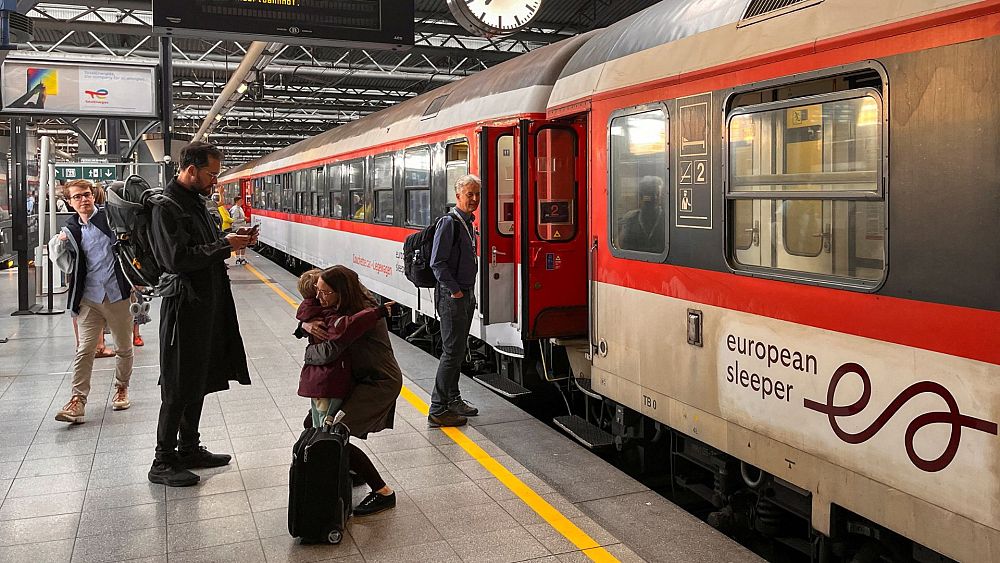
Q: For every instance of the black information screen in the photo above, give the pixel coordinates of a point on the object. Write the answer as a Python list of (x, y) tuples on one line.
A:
[(294, 21)]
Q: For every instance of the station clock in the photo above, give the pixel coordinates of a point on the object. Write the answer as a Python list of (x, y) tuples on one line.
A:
[(490, 18)]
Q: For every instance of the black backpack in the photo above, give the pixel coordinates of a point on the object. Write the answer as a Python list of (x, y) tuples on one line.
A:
[(130, 215), (417, 250)]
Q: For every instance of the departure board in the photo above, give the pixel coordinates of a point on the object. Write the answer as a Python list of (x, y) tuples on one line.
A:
[(365, 23)]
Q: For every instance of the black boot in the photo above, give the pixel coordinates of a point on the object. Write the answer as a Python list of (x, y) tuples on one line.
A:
[(201, 458), (169, 474)]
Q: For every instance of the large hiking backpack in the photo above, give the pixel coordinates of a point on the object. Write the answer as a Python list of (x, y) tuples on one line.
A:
[(417, 250), (130, 215)]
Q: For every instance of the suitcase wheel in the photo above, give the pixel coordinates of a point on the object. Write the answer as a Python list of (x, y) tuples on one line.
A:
[(334, 536)]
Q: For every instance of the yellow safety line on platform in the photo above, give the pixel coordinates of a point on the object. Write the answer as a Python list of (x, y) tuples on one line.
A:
[(549, 513)]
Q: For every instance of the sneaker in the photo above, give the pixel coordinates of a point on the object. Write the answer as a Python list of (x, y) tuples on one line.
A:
[(201, 459), (163, 473), (137, 341), (463, 408), (120, 401), (446, 418), (72, 411), (375, 503)]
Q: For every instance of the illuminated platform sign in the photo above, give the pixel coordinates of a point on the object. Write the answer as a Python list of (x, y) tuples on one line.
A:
[(356, 23)]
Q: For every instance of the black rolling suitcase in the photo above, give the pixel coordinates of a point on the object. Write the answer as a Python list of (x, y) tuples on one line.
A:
[(319, 488)]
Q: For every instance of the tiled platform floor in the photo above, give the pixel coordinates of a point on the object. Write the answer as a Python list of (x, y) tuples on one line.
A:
[(80, 494)]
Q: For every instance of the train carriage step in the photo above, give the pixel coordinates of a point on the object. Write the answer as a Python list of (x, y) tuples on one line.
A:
[(584, 432), (501, 385)]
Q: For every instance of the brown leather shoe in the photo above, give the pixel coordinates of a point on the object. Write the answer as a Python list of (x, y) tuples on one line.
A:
[(446, 418)]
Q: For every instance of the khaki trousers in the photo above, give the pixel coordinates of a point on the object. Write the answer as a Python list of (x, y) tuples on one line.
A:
[(91, 321)]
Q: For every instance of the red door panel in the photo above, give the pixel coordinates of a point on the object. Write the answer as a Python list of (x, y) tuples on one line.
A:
[(553, 231)]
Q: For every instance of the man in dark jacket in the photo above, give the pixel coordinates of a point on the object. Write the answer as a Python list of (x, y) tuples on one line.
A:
[(455, 264), (201, 349), (98, 296)]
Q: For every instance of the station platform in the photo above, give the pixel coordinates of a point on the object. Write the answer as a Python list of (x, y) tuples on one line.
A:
[(505, 488)]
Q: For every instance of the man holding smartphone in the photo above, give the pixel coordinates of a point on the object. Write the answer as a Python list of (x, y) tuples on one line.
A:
[(201, 349)]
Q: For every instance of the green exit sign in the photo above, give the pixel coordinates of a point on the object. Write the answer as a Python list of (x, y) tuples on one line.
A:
[(92, 172)]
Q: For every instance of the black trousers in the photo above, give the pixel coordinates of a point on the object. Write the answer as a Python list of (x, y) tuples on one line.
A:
[(178, 428), (360, 464)]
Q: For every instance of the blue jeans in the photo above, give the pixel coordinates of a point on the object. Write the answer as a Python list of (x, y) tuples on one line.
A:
[(456, 321)]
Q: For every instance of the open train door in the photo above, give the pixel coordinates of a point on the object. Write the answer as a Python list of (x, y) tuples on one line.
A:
[(496, 224), (246, 191), (553, 229)]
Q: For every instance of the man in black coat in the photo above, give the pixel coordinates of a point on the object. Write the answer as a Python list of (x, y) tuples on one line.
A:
[(201, 349)]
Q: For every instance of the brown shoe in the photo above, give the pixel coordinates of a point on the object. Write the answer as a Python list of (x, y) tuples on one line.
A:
[(72, 411), (446, 418), (120, 401)]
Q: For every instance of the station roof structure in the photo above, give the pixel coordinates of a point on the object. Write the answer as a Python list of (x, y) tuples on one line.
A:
[(303, 90)]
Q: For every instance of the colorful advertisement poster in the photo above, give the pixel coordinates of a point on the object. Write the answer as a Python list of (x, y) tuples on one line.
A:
[(59, 88)]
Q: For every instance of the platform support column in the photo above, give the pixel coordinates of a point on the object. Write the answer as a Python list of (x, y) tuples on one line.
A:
[(24, 245)]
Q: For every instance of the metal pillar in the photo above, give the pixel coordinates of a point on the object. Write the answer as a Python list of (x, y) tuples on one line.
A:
[(24, 245), (46, 203), (166, 104)]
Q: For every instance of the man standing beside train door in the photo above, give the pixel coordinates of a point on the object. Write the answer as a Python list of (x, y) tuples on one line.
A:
[(454, 262)]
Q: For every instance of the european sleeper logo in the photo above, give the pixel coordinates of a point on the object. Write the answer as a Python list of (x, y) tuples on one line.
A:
[(97, 94), (45, 78)]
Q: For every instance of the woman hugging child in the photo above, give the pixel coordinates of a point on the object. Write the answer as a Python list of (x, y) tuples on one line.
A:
[(327, 385)]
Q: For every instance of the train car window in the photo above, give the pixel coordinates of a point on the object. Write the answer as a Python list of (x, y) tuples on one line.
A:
[(805, 189), (638, 177), (505, 185), (456, 166), (417, 185), (555, 157), (352, 176), (382, 188)]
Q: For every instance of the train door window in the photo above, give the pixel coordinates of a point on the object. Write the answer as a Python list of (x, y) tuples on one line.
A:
[(417, 186), (335, 196), (456, 166), (806, 184), (316, 188), (382, 188), (505, 185), (287, 195), (638, 175), (352, 175), (555, 161)]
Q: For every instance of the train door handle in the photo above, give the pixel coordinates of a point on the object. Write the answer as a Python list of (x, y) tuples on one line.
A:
[(754, 233), (493, 255), (826, 235)]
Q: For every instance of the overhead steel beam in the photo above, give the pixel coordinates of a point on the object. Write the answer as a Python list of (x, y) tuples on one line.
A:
[(255, 55), (99, 55)]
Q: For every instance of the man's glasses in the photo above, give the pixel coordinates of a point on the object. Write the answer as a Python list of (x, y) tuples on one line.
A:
[(214, 175), (78, 197)]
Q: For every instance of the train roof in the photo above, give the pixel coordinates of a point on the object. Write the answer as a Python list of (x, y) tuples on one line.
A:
[(518, 86), (678, 37)]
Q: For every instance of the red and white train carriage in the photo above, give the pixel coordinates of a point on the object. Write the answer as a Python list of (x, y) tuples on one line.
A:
[(776, 222)]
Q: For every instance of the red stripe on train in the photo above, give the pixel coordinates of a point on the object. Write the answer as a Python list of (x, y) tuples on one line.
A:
[(387, 232), (958, 331)]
